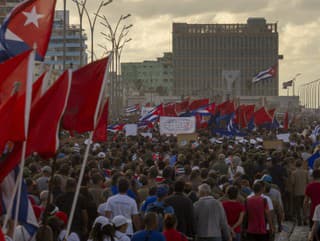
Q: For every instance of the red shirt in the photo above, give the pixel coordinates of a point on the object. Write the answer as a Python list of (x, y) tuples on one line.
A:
[(233, 210), (256, 207), (313, 192), (174, 235)]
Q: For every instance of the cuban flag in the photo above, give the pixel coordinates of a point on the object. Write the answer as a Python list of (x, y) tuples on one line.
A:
[(27, 26), (26, 216), (132, 109), (265, 74), (153, 115), (316, 130), (115, 127)]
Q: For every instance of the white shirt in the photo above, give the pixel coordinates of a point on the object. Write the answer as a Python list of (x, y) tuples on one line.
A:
[(121, 236), (316, 214), (72, 236), (122, 204), (232, 172)]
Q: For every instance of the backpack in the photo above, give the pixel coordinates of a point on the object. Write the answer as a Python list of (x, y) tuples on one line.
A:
[(160, 211)]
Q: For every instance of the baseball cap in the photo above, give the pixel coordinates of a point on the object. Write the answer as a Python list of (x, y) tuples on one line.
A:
[(101, 220), (266, 178), (119, 220)]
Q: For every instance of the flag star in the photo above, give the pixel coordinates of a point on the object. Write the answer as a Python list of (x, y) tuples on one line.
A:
[(32, 17)]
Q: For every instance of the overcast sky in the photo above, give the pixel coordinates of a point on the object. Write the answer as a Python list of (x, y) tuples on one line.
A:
[(298, 26)]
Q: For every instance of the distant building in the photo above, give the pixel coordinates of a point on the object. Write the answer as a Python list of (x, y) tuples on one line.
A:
[(221, 59), (5, 7), (54, 54), (149, 76)]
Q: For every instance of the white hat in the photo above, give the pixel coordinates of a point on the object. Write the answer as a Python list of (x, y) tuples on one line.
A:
[(46, 169), (101, 155), (119, 220), (102, 220)]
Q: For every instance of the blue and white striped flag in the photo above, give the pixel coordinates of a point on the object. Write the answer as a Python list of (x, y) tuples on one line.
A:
[(265, 74), (316, 130)]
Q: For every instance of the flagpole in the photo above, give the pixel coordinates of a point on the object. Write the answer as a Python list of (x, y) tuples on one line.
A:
[(20, 178), (26, 129), (85, 159)]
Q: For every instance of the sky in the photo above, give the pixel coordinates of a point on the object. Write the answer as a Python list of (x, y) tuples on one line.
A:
[(298, 26)]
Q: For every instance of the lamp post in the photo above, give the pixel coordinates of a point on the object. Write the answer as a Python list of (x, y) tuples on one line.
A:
[(82, 9), (293, 82), (64, 32), (117, 41)]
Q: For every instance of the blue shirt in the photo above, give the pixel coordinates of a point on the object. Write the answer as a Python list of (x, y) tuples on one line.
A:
[(167, 209), (152, 236), (149, 200)]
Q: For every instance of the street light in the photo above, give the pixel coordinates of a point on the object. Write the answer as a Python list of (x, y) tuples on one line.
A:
[(81, 5), (118, 40), (293, 82)]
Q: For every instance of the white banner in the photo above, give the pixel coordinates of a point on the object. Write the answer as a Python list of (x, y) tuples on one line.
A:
[(131, 129), (177, 125)]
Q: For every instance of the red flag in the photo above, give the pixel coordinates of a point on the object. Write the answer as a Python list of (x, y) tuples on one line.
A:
[(225, 108), (37, 88), (169, 110), (28, 24), (244, 114), (100, 133), (182, 106), (1, 236), (271, 113), (45, 116), (286, 121), (86, 89), (261, 117), (15, 98), (198, 103), (13, 76)]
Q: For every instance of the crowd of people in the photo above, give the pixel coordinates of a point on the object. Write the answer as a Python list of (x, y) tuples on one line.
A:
[(151, 188)]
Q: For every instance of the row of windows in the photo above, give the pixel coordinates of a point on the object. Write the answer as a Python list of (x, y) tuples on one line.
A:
[(225, 42)]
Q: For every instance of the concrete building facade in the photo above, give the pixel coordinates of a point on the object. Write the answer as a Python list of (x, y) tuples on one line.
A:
[(149, 76), (54, 54), (221, 59)]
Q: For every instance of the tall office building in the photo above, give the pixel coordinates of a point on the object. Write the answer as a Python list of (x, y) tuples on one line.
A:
[(5, 8), (55, 53), (221, 59), (149, 76)]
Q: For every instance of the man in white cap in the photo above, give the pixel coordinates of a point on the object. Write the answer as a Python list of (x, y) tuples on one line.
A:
[(121, 224)]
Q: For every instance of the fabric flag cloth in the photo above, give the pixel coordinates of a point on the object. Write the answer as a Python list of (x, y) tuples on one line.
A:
[(169, 110), (153, 115), (27, 26), (265, 74), (86, 88), (132, 109), (100, 133), (15, 98), (26, 216), (313, 158), (225, 108), (182, 107), (261, 116), (196, 104), (115, 127), (37, 88), (45, 116), (286, 121), (316, 130), (287, 84), (244, 113)]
